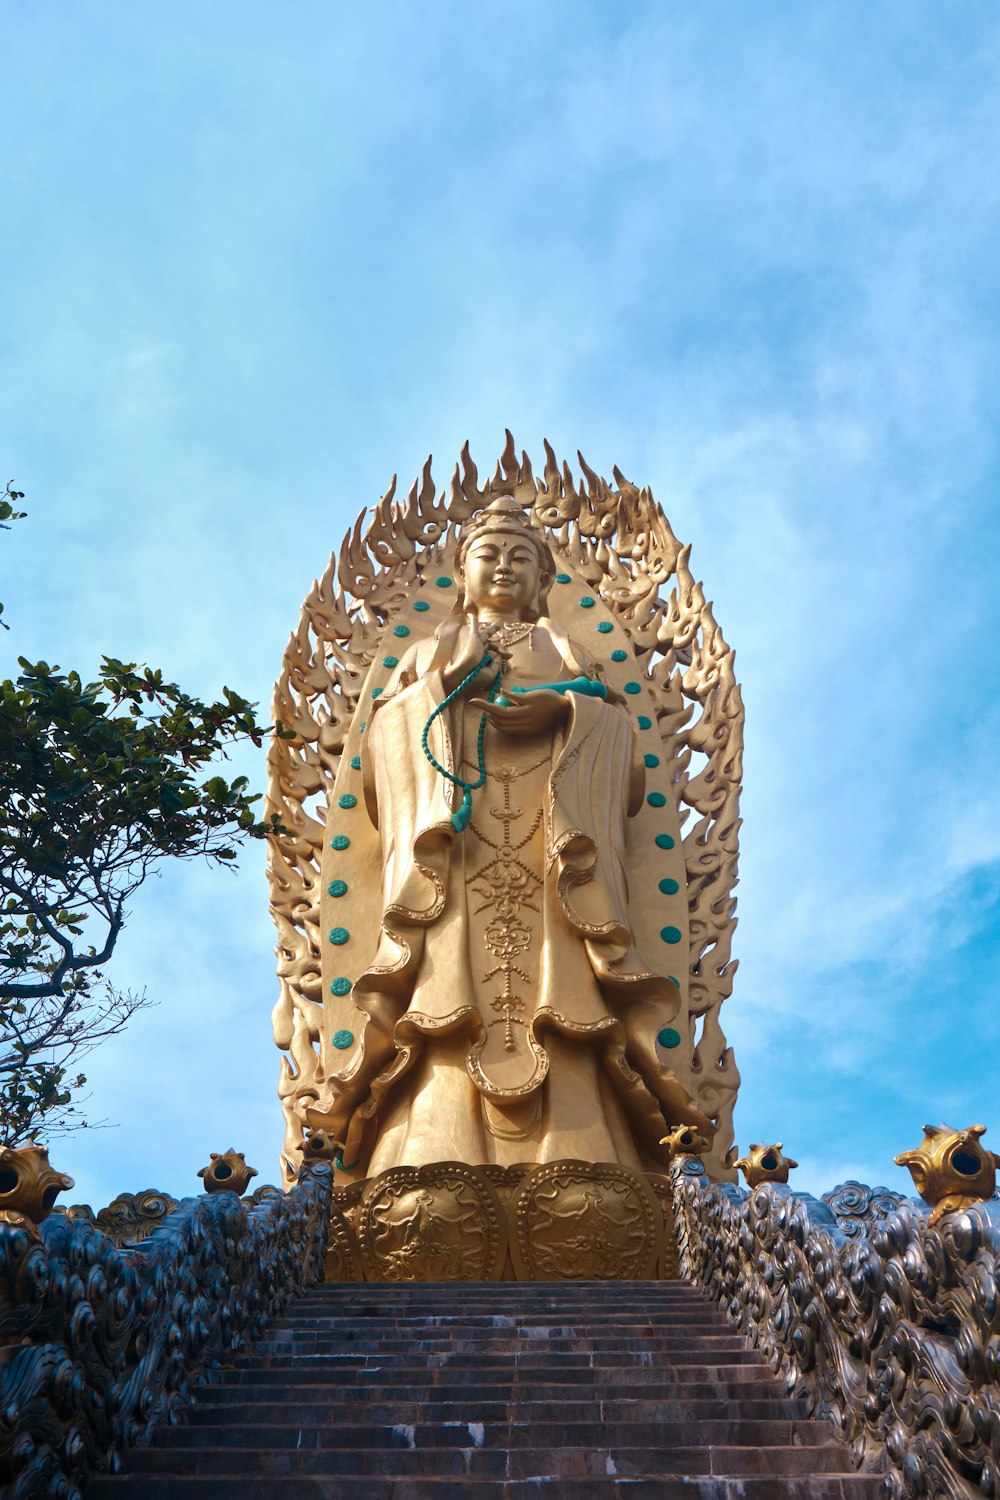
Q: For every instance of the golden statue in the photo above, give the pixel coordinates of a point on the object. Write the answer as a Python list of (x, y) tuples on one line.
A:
[(495, 945)]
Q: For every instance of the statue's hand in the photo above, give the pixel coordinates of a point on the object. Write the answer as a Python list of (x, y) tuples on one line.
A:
[(472, 648), (533, 713)]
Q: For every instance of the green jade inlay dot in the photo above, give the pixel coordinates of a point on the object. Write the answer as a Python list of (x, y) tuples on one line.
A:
[(443, 583), (347, 801), (671, 934), (340, 986), (343, 1039), (420, 605), (632, 688), (401, 630), (669, 887), (339, 936), (340, 841), (355, 762), (644, 721), (562, 578), (587, 601), (656, 799), (668, 1037), (619, 655), (664, 841), (652, 761), (337, 887), (390, 661)]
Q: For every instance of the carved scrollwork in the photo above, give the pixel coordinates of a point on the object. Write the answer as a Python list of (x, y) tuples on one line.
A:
[(893, 1335), (436, 1223), (571, 1220), (129, 1218), (858, 1208), (343, 1262), (615, 538), (668, 1266), (99, 1342)]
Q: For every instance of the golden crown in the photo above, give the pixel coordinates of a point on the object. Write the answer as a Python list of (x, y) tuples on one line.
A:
[(503, 514)]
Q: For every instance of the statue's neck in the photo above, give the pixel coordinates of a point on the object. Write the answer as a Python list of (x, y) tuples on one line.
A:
[(488, 616)]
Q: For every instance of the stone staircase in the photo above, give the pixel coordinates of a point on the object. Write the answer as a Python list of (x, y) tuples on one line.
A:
[(509, 1390)]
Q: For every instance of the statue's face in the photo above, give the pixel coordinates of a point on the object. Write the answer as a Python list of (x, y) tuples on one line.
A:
[(502, 573)]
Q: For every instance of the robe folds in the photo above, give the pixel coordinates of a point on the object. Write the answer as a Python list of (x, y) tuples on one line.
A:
[(508, 1015)]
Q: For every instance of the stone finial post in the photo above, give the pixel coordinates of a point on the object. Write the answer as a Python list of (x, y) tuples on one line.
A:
[(765, 1164), (227, 1172), (951, 1169)]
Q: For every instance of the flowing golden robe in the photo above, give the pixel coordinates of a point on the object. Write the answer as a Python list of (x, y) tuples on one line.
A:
[(510, 1017)]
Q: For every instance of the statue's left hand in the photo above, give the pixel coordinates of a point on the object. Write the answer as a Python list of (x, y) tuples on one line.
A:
[(532, 714)]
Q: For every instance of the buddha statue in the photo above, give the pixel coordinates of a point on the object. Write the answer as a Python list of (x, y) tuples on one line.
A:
[(505, 1011)]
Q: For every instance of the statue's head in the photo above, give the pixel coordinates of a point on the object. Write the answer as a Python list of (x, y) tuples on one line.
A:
[(504, 562)]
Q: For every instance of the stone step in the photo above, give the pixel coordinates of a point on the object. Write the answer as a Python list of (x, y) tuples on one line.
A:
[(590, 1461), (466, 1487), (726, 1350), (536, 1325), (444, 1299), (545, 1427), (665, 1344), (413, 1408), (508, 1377)]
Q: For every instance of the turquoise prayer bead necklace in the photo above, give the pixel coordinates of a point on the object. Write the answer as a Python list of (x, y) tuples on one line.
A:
[(460, 819)]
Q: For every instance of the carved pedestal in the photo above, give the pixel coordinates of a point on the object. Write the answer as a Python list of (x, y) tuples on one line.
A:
[(563, 1221)]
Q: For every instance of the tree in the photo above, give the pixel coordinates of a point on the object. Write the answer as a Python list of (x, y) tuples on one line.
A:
[(99, 783)]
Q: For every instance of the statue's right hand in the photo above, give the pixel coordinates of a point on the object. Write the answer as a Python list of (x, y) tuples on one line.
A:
[(472, 647)]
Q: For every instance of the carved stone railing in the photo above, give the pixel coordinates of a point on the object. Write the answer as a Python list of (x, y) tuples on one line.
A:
[(888, 1326), (100, 1342)]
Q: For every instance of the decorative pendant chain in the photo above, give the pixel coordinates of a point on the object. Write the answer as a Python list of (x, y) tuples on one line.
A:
[(506, 636)]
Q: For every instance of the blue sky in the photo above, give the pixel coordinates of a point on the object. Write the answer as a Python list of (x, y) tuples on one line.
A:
[(256, 259)]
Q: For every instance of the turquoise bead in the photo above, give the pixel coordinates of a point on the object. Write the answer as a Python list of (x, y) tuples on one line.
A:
[(340, 841), (652, 761), (401, 630), (343, 1039), (656, 799), (376, 692), (671, 934), (605, 627), (347, 801), (562, 578), (669, 887), (668, 1037), (633, 688), (355, 762), (443, 583), (340, 987), (337, 887), (664, 841), (339, 936), (644, 721), (362, 726), (587, 601), (420, 605), (619, 656), (390, 661)]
